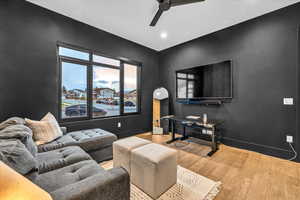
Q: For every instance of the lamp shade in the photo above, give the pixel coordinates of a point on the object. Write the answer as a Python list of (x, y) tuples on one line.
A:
[(14, 186), (160, 93)]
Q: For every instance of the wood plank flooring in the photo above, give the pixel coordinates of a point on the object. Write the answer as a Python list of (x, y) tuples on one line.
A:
[(245, 175)]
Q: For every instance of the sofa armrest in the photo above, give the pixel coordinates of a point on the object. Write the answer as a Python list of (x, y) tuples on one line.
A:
[(114, 185), (64, 129)]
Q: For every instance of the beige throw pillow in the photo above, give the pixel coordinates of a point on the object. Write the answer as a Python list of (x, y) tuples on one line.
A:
[(46, 130)]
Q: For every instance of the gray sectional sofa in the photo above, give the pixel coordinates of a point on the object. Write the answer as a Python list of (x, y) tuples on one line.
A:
[(66, 168), (96, 142)]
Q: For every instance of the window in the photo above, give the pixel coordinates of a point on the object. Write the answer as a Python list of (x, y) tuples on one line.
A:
[(94, 86), (130, 88), (106, 91), (73, 53), (104, 60), (74, 90)]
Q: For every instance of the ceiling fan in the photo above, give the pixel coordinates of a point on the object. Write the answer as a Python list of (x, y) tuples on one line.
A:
[(165, 5)]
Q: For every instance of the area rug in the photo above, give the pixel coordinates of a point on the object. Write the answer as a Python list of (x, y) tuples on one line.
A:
[(190, 186)]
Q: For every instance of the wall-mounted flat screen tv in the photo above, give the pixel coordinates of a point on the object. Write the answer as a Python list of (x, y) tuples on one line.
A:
[(212, 81)]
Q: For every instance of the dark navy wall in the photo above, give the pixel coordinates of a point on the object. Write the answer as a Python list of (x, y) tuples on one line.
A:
[(265, 66), (29, 71)]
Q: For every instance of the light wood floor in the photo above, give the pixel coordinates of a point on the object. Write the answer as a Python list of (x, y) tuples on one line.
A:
[(245, 175)]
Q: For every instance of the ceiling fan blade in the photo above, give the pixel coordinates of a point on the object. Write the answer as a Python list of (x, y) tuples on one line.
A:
[(184, 2), (156, 17)]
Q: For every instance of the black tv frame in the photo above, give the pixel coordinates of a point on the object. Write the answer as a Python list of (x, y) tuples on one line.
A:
[(197, 100)]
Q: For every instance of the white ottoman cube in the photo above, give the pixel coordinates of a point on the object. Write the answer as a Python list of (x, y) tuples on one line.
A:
[(154, 169), (122, 150)]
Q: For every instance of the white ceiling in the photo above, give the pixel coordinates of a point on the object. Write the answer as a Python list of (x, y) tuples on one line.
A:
[(130, 19)]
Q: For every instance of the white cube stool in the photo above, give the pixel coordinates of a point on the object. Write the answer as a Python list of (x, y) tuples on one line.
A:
[(122, 150), (154, 169)]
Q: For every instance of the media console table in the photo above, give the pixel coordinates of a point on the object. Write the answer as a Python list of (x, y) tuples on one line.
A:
[(210, 127)]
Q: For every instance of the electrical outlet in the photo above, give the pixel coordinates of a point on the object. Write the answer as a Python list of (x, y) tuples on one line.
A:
[(119, 124), (289, 139)]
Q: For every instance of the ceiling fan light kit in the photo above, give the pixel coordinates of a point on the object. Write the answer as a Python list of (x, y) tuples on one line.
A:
[(165, 5)]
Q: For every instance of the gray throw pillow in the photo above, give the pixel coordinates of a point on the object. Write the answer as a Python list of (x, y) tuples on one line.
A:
[(14, 154), (21, 132), (12, 121)]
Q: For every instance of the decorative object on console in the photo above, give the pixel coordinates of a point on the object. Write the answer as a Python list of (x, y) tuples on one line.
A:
[(14, 186), (160, 102), (195, 117)]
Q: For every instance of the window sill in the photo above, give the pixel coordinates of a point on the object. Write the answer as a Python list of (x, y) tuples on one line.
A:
[(72, 121)]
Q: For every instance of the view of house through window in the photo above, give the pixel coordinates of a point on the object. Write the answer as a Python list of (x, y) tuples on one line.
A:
[(130, 88), (106, 91), (74, 90), (106, 95)]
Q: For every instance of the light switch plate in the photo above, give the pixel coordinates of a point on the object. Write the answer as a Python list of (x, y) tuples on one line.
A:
[(288, 101)]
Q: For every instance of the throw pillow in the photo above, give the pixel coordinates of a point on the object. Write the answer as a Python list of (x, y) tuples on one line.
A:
[(46, 130), (49, 117)]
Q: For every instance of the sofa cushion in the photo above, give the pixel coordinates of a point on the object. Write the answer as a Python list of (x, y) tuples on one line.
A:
[(59, 158), (14, 154), (89, 140), (77, 172), (114, 184), (21, 132)]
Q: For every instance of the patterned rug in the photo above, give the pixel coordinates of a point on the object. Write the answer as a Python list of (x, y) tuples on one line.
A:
[(190, 186)]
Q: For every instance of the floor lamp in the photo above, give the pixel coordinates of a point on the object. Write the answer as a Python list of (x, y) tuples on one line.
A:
[(160, 96)]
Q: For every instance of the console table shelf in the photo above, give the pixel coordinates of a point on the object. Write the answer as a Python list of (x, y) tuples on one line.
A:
[(211, 126)]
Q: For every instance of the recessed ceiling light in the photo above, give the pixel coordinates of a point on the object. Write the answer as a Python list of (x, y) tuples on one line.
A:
[(163, 35)]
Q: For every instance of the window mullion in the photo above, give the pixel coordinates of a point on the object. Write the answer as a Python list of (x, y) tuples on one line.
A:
[(90, 88), (187, 88), (139, 89), (122, 88)]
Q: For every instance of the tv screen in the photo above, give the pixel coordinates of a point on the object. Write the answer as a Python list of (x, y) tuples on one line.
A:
[(213, 81)]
